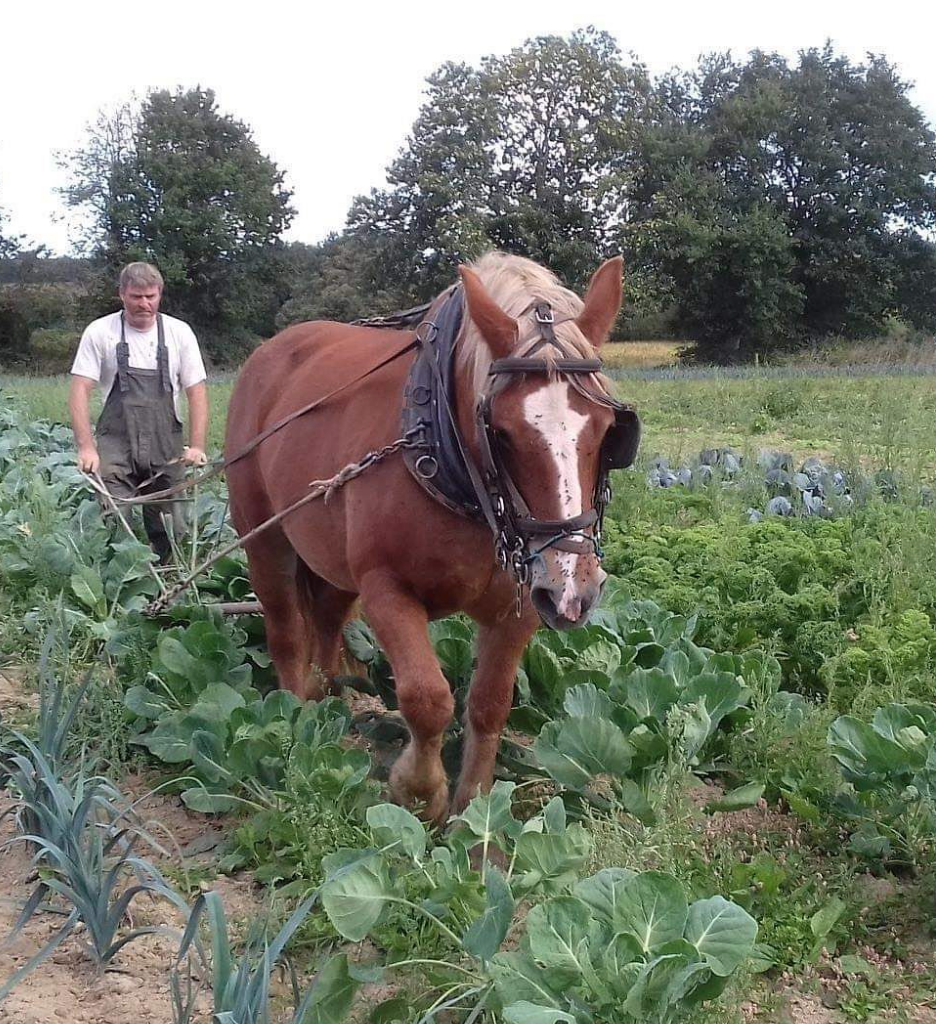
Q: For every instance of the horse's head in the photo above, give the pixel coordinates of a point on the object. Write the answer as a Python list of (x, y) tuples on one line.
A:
[(549, 430)]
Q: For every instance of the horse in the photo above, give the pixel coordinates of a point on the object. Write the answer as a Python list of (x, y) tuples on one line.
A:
[(528, 405)]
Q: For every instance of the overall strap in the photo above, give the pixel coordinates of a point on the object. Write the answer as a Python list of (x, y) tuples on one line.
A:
[(123, 358), (162, 355)]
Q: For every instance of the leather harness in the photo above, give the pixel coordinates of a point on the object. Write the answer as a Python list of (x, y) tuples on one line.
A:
[(442, 464)]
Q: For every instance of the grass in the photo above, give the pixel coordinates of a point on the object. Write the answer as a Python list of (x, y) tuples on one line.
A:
[(888, 416)]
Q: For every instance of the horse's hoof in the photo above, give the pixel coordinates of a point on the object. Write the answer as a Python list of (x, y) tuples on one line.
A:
[(428, 798), (430, 808)]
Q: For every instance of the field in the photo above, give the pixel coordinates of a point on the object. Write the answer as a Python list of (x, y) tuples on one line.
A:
[(752, 724)]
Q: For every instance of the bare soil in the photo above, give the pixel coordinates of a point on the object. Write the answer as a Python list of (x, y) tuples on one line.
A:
[(68, 986)]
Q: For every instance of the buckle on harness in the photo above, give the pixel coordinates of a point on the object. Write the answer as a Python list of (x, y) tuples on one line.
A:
[(544, 314)]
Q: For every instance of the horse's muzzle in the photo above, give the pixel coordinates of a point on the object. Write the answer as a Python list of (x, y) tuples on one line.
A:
[(561, 611)]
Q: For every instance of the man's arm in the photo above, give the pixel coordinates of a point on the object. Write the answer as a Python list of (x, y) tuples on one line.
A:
[(79, 406), (197, 396)]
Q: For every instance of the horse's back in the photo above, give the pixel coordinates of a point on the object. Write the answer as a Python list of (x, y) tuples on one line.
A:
[(356, 370), (260, 380), (296, 366)]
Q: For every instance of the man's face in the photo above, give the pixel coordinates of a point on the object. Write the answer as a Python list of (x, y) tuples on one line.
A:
[(141, 303)]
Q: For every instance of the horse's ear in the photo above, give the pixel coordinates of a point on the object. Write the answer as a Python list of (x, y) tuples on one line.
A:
[(497, 328), (602, 302)]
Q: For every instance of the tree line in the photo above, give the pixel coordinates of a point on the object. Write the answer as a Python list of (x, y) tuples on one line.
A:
[(759, 203)]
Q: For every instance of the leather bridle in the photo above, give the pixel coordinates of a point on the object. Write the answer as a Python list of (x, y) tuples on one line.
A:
[(521, 538)]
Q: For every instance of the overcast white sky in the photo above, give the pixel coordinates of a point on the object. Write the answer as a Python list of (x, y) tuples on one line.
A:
[(331, 88)]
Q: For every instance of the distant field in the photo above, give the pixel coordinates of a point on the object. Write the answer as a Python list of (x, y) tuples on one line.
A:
[(643, 355), (885, 413)]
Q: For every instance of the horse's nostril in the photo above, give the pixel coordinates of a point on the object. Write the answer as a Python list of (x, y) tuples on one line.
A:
[(544, 601)]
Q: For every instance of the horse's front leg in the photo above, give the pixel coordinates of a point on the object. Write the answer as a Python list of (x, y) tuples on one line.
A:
[(500, 647), (425, 699)]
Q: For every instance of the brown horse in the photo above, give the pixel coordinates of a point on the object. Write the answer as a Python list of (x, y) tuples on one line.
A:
[(408, 557)]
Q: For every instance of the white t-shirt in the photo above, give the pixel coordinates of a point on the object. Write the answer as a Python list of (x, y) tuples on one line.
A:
[(97, 353)]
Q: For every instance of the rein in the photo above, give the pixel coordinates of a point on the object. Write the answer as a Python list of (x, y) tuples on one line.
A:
[(220, 467)]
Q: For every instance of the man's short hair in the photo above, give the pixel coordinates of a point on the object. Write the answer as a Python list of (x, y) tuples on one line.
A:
[(140, 275)]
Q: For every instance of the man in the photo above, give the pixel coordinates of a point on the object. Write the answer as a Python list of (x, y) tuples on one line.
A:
[(142, 360)]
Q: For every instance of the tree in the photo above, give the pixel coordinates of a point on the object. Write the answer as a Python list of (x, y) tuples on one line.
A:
[(331, 281), (10, 244), (731, 269), (191, 192), (14, 331), (522, 154), (819, 178), (92, 175)]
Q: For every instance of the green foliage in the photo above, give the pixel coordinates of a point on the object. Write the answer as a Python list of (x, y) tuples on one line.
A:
[(240, 982), (766, 201), (800, 916), (53, 348), (844, 604), (617, 699), (761, 202), (608, 703), (333, 280), (51, 806), (284, 760), (54, 542), (9, 243), (732, 271), (87, 868), (766, 193), (485, 166), (198, 709), (81, 835), (618, 709), (890, 763), (627, 946), (617, 942), (37, 323), (782, 746), (319, 806)]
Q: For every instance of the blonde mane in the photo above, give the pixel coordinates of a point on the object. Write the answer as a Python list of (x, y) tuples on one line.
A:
[(517, 284)]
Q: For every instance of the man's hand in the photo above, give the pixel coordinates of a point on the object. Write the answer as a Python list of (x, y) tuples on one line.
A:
[(79, 401), (88, 459), (192, 456)]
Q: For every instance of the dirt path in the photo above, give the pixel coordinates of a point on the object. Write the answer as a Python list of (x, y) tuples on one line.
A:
[(68, 986)]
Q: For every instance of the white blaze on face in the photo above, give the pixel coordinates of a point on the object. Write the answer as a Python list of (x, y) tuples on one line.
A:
[(550, 412)]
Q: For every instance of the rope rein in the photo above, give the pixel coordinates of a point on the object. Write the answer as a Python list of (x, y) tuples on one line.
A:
[(219, 467), (318, 489)]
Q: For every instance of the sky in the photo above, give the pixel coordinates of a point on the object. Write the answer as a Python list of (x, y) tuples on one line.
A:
[(331, 88)]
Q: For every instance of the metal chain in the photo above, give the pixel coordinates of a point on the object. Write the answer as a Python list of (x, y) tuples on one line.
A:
[(355, 469), (601, 503)]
